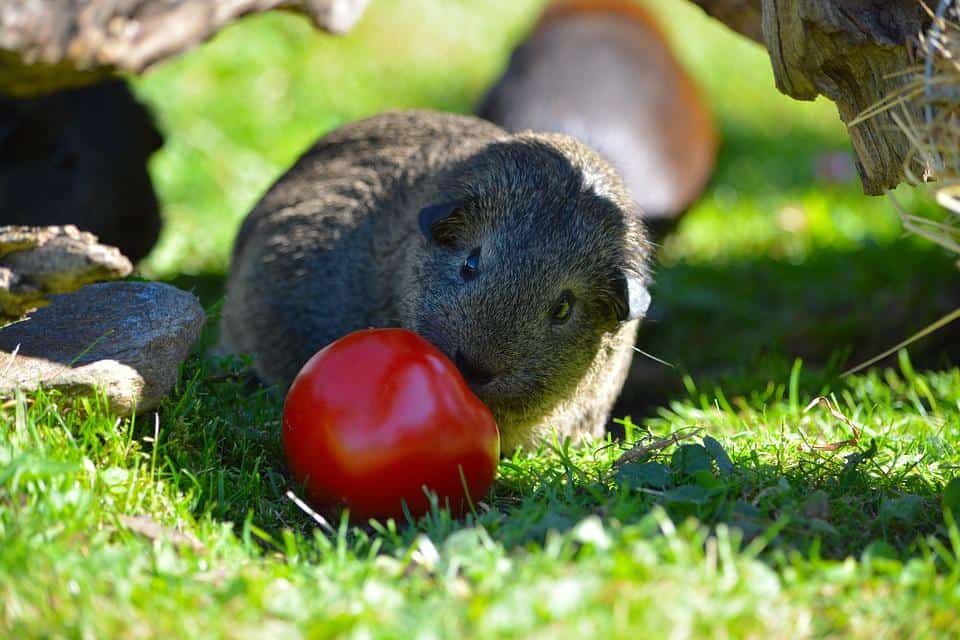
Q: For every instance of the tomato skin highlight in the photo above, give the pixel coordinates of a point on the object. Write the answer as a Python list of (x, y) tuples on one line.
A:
[(376, 415)]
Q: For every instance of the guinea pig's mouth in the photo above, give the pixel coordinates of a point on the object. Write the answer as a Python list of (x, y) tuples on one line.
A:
[(495, 385), (487, 385), (477, 375), (494, 382), (507, 402)]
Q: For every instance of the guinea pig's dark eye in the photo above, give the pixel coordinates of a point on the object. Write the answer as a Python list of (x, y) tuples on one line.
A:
[(562, 308), (471, 266)]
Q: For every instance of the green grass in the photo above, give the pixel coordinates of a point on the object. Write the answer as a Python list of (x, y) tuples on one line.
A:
[(783, 540), (774, 518)]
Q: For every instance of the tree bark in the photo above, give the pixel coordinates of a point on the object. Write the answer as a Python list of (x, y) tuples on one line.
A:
[(47, 45), (855, 52)]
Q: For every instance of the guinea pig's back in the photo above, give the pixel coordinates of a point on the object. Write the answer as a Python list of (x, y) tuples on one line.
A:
[(602, 72), (305, 265)]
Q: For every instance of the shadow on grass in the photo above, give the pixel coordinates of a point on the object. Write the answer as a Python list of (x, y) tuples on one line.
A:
[(738, 326), (778, 159), (742, 324), (834, 504), (222, 447)]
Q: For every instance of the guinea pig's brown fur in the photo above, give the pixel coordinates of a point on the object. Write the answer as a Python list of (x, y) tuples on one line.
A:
[(603, 72), (520, 256)]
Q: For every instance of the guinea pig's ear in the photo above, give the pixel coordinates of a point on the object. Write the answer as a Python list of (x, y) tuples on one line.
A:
[(632, 297), (441, 223)]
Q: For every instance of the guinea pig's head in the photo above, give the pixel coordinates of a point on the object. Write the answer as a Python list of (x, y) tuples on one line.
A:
[(533, 254)]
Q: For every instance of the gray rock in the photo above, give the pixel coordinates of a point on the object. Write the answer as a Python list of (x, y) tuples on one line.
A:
[(128, 338), (36, 262)]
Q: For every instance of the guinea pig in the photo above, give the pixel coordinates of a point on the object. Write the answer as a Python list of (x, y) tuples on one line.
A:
[(520, 256)]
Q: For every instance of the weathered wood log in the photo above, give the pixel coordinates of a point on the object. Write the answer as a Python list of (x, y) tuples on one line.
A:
[(46, 45), (854, 52)]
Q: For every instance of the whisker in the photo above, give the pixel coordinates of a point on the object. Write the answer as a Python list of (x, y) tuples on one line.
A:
[(654, 358)]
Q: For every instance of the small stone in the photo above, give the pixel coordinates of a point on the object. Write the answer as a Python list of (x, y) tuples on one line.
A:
[(126, 338), (37, 262)]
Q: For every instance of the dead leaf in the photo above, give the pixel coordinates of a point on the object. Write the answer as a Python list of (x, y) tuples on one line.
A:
[(835, 412), (644, 448), (150, 528)]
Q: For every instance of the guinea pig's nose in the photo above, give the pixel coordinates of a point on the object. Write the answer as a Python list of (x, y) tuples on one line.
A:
[(474, 374)]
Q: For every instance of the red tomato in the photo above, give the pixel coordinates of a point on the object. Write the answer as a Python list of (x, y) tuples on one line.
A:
[(379, 414)]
